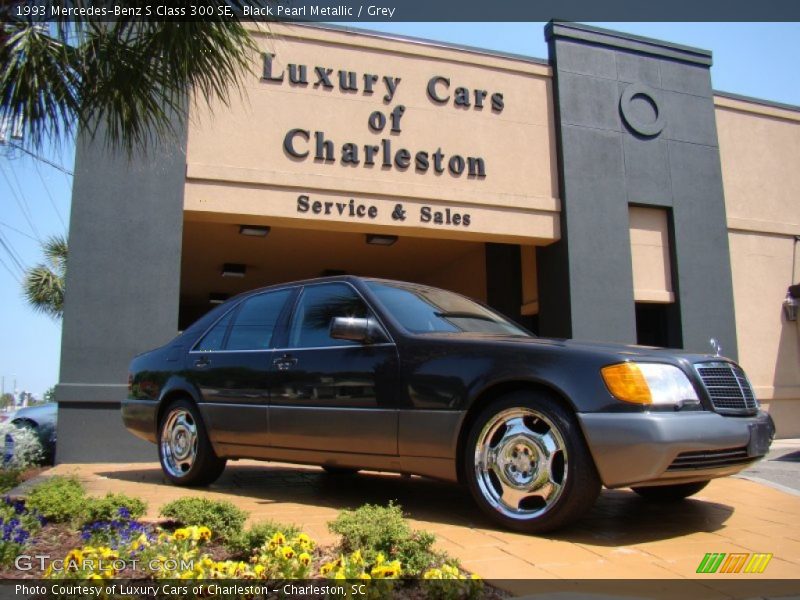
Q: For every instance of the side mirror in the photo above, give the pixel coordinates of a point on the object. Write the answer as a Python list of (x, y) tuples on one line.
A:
[(364, 330)]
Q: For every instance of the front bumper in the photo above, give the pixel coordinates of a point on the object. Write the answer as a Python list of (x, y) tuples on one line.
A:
[(642, 448)]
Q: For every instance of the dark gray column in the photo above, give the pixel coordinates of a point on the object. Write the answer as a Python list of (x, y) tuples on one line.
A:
[(635, 124), (122, 288), (504, 279)]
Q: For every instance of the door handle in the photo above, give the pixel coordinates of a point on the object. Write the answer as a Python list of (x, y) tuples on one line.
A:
[(285, 362), (202, 362)]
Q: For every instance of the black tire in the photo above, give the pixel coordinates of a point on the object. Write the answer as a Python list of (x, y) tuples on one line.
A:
[(579, 482), (206, 467), (670, 493), (339, 471)]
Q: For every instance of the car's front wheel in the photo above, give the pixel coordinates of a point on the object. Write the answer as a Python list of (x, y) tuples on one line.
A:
[(186, 455), (527, 464), (670, 493)]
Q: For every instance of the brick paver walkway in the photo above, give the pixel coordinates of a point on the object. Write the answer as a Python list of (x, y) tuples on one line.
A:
[(622, 537)]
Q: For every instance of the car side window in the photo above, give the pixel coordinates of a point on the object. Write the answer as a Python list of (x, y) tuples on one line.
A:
[(318, 306), (213, 340), (256, 320)]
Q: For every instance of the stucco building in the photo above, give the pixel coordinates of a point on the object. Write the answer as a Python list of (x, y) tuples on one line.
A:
[(607, 193)]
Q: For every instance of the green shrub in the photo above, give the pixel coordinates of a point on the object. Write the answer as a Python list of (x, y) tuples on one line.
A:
[(221, 517), (373, 529), (247, 542), (9, 479), (112, 507), (58, 499)]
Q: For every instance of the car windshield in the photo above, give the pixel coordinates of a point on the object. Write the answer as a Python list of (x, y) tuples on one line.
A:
[(428, 310)]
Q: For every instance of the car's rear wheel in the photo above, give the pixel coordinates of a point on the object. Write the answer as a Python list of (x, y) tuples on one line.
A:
[(527, 464), (339, 471), (186, 455), (670, 493)]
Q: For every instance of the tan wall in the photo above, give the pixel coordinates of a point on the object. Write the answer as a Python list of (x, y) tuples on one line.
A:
[(466, 275), (652, 274), (236, 163), (760, 153)]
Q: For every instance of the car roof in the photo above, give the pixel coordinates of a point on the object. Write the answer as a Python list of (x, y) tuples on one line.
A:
[(315, 280)]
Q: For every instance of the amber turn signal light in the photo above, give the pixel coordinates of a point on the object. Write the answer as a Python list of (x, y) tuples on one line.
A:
[(627, 382)]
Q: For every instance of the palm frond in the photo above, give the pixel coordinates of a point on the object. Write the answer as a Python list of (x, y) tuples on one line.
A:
[(43, 285), (39, 87), (129, 79), (44, 290)]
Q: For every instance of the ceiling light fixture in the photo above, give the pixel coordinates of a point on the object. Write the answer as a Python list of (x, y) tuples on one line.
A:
[(791, 303), (381, 240), (217, 298), (254, 230), (233, 270)]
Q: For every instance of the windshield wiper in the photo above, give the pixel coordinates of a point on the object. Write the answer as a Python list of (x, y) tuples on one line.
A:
[(464, 315)]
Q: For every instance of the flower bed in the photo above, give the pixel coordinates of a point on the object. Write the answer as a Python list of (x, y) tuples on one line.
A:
[(377, 546)]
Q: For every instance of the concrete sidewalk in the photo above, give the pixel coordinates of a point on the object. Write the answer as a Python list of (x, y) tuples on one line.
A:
[(622, 537)]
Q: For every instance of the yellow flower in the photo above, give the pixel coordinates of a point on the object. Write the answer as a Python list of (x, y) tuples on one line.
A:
[(304, 541), (340, 574), (451, 571), (108, 553), (139, 543), (73, 559), (365, 576), (181, 534), (356, 558), (380, 559), (287, 552), (279, 538), (94, 576), (305, 558), (475, 577), (432, 574), (326, 568), (204, 533), (259, 570), (387, 571)]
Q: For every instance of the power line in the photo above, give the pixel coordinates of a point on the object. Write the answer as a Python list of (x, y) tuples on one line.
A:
[(50, 196), (40, 157), (19, 203), (19, 231), (10, 272), (12, 253)]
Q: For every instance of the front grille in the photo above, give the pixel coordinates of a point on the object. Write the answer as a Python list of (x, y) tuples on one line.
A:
[(728, 388), (710, 459)]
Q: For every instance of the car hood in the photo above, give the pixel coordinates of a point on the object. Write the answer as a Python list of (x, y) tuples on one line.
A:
[(617, 351)]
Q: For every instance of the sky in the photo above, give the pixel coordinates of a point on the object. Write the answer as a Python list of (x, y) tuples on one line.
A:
[(752, 59)]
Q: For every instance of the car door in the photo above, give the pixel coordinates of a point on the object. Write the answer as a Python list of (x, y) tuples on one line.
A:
[(231, 365), (330, 394)]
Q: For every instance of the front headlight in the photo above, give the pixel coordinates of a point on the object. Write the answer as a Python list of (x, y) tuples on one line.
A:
[(649, 383)]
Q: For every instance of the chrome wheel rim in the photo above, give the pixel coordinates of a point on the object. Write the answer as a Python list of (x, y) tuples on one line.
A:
[(179, 442), (521, 463)]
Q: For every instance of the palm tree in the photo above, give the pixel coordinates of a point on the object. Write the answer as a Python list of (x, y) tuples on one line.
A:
[(129, 78), (44, 284)]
